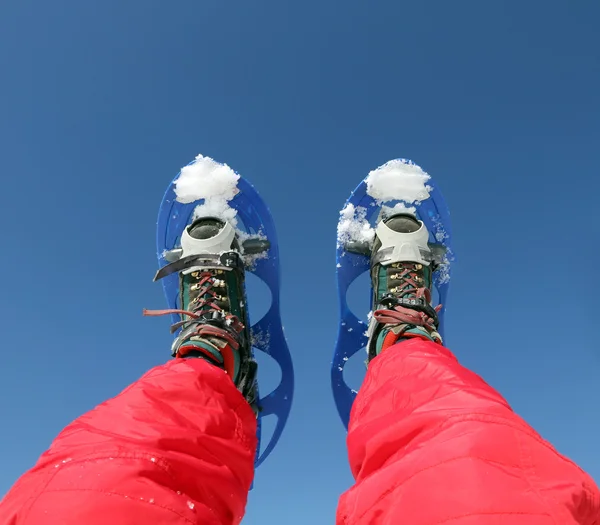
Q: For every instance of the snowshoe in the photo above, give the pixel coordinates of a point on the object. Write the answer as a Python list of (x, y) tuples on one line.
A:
[(213, 227), (397, 191)]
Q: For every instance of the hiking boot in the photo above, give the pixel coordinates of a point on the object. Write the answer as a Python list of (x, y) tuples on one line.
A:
[(212, 302), (401, 275)]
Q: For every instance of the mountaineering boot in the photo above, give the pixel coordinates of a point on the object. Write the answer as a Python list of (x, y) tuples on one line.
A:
[(401, 275), (212, 302)]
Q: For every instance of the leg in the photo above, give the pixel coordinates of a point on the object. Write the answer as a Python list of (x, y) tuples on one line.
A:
[(429, 441), (176, 447)]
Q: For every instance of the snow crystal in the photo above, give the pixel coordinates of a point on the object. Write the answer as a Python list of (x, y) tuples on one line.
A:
[(443, 270), (398, 180), (354, 226), (250, 260), (208, 180), (260, 339), (444, 274), (440, 233), (243, 236)]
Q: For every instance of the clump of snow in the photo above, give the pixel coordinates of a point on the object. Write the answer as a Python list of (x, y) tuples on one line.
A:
[(251, 259), (214, 183), (353, 225), (204, 179), (244, 236), (400, 207), (216, 208), (398, 180)]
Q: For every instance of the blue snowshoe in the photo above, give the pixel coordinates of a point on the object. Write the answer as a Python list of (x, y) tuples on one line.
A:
[(213, 227), (397, 194)]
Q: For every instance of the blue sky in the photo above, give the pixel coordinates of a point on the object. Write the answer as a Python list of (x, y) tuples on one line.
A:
[(102, 102)]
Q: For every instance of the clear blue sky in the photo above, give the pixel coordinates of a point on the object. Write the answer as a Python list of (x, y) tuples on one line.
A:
[(102, 102)]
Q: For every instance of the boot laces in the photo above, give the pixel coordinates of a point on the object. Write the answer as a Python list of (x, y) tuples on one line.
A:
[(205, 307), (411, 287)]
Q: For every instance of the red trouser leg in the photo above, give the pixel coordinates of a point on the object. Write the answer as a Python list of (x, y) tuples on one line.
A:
[(176, 447), (430, 442)]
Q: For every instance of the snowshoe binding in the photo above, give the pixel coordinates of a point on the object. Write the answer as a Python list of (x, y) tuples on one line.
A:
[(402, 264)]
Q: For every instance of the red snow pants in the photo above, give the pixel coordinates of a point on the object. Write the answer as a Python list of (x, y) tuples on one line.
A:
[(429, 443)]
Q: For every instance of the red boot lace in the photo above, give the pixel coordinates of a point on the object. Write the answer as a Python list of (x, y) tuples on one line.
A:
[(410, 287), (206, 303)]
